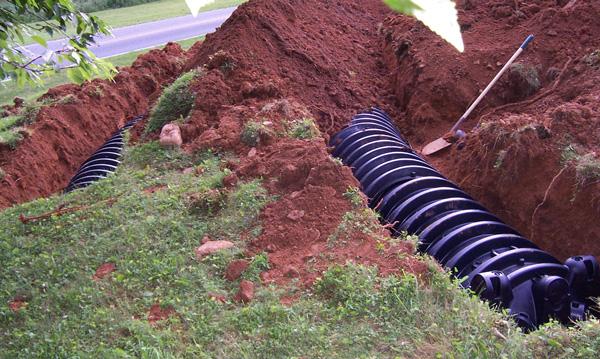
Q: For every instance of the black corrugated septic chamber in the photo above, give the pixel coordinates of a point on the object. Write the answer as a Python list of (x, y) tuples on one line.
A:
[(489, 256), (104, 161)]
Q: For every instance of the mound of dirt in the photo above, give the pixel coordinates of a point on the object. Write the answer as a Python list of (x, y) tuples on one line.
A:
[(77, 121), (324, 54)]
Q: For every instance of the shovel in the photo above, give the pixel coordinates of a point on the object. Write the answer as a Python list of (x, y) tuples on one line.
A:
[(456, 134)]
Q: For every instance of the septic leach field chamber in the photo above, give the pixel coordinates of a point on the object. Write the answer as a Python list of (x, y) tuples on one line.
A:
[(104, 161), (487, 255)]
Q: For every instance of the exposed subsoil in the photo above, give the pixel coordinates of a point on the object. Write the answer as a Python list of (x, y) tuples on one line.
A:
[(278, 61)]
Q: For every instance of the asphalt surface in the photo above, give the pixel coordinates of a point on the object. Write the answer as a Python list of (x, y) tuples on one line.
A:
[(142, 36)]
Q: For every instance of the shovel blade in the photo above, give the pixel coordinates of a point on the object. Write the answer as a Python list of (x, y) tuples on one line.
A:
[(435, 146)]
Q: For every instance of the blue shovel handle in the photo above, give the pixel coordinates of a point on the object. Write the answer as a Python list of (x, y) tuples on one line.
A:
[(527, 41)]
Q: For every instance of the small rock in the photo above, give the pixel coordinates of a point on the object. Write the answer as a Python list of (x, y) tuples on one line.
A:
[(212, 247), (104, 270), (295, 194), (170, 136), (489, 66), (476, 62), (235, 269), (246, 292), (295, 215), (188, 171), (552, 33), (270, 248), (498, 64), (230, 180), (252, 152)]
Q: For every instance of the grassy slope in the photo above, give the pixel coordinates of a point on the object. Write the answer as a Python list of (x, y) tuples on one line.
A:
[(8, 93), (352, 313)]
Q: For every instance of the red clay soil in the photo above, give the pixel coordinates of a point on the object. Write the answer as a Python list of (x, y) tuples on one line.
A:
[(511, 158), (104, 270), (157, 313), (77, 122)]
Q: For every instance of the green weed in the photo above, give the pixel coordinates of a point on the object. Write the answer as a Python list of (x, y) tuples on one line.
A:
[(303, 129), (354, 195), (258, 264), (253, 133), (176, 100), (363, 220)]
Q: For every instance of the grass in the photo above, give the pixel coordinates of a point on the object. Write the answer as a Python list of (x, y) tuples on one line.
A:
[(254, 132), (12, 127), (303, 129), (175, 102), (528, 77), (8, 91), (153, 11), (587, 165), (351, 313)]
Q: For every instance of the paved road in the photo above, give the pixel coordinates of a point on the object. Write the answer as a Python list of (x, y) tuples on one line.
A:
[(150, 34)]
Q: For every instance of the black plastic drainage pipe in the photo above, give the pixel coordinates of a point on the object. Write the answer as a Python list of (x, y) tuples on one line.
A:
[(104, 161), (489, 256)]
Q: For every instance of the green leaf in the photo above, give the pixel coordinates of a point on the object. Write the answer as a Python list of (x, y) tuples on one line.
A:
[(404, 6), (74, 74), (39, 40)]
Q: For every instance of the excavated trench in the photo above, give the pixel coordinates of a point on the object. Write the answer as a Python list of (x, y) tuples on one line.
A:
[(490, 257)]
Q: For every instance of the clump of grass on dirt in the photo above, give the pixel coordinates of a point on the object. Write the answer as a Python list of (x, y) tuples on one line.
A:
[(363, 220), (526, 77), (13, 127), (258, 264), (254, 132), (175, 101), (2, 174), (11, 138), (593, 59), (587, 165), (354, 195), (303, 129)]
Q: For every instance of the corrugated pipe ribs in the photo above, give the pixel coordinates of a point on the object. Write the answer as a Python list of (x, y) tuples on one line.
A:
[(104, 161), (487, 255)]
